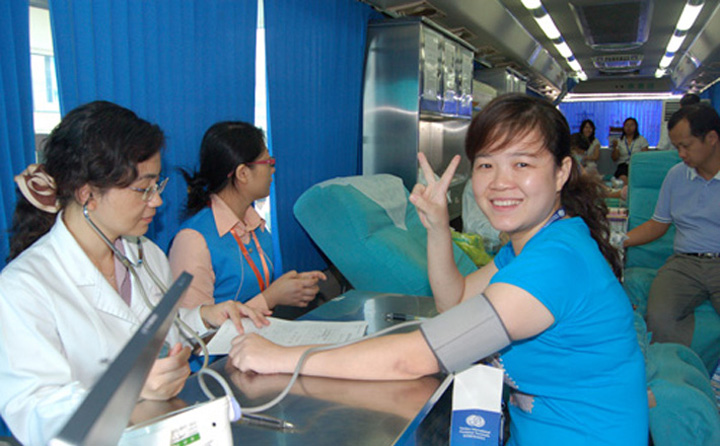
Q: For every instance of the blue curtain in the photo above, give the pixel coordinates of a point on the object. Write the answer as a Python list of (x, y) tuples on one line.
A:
[(608, 114), (713, 94), (315, 55), (17, 141), (181, 64)]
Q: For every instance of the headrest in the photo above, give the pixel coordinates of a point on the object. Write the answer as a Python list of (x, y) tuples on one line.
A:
[(386, 190)]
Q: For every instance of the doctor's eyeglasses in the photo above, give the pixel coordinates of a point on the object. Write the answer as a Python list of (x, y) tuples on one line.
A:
[(148, 193)]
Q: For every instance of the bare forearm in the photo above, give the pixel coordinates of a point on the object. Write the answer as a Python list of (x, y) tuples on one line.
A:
[(402, 356), (445, 279), (645, 233)]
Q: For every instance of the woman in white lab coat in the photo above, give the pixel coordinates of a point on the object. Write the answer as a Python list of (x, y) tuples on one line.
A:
[(67, 303)]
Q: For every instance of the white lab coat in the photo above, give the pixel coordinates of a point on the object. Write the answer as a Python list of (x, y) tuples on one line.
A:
[(61, 324)]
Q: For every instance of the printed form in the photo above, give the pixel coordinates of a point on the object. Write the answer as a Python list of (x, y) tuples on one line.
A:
[(289, 333)]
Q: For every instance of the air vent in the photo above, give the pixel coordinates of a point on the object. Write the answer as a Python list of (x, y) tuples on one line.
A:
[(417, 9), (623, 73), (614, 26), (618, 62), (670, 107)]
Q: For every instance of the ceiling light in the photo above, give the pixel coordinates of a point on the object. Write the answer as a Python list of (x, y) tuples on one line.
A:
[(546, 23), (564, 49), (548, 26), (675, 42), (600, 97), (666, 60), (532, 4), (689, 14)]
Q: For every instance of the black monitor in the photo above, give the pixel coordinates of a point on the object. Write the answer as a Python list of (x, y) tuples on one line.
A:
[(104, 413)]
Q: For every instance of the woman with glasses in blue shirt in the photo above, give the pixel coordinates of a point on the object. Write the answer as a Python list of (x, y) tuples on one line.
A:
[(82, 276), (224, 243)]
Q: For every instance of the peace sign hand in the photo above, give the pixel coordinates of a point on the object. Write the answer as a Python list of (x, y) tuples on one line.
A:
[(431, 200)]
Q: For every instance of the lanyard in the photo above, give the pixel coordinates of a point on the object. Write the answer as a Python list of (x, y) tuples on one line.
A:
[(630, 146), (262, 283), (559, 214)]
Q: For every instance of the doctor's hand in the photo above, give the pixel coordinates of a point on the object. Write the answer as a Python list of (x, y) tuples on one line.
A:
[(167, 375), (252, 352), (294, 289), (215, 314), (431, 200)]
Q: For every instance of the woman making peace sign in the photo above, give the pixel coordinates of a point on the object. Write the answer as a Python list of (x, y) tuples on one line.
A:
[(549, 304)]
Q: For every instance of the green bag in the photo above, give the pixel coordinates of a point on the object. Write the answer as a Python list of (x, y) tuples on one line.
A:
[(473, 246)]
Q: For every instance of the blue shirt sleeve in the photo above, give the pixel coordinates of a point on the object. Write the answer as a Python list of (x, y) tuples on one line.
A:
[(662, 207), (548, 268)]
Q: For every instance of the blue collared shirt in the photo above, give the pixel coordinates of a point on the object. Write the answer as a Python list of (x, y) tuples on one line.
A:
[(692, 203)]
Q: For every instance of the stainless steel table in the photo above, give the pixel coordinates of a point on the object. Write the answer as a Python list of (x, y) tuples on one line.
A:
[(344, 412)]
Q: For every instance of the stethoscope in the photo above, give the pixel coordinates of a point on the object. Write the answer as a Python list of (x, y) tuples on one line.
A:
[(183, 328)]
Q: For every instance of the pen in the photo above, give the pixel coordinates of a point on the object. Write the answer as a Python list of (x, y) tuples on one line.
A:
[(266, 421), (402, 317)]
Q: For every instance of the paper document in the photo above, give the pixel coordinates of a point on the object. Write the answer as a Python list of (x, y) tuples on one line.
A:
[(289, 333)]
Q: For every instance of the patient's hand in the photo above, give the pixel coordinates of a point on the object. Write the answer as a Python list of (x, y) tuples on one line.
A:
[(254, 353)]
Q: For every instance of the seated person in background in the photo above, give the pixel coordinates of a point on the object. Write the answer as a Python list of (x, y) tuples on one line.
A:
[(623, 148), (592, 153), (664, 142), (224, 244), (549, 303), (689, 198), (578, 148), (68, 305)]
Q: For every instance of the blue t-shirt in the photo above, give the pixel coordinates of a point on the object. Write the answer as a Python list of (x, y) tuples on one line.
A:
[(234, 277), (581, 381), (693, 204)]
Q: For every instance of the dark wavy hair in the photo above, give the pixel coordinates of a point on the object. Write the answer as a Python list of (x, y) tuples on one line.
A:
[(100, 144), (224, 147), (512, 116), (592, 124)]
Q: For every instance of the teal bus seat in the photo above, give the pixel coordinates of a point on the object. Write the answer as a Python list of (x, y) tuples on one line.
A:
[(647, 172), (369, 230)]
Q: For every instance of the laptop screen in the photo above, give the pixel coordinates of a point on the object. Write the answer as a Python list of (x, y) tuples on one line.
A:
[(103, 416)]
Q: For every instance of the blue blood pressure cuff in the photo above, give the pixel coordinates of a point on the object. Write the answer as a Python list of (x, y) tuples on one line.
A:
[(465, 334)]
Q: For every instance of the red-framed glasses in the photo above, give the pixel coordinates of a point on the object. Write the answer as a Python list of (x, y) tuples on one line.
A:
[(270, 161)]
